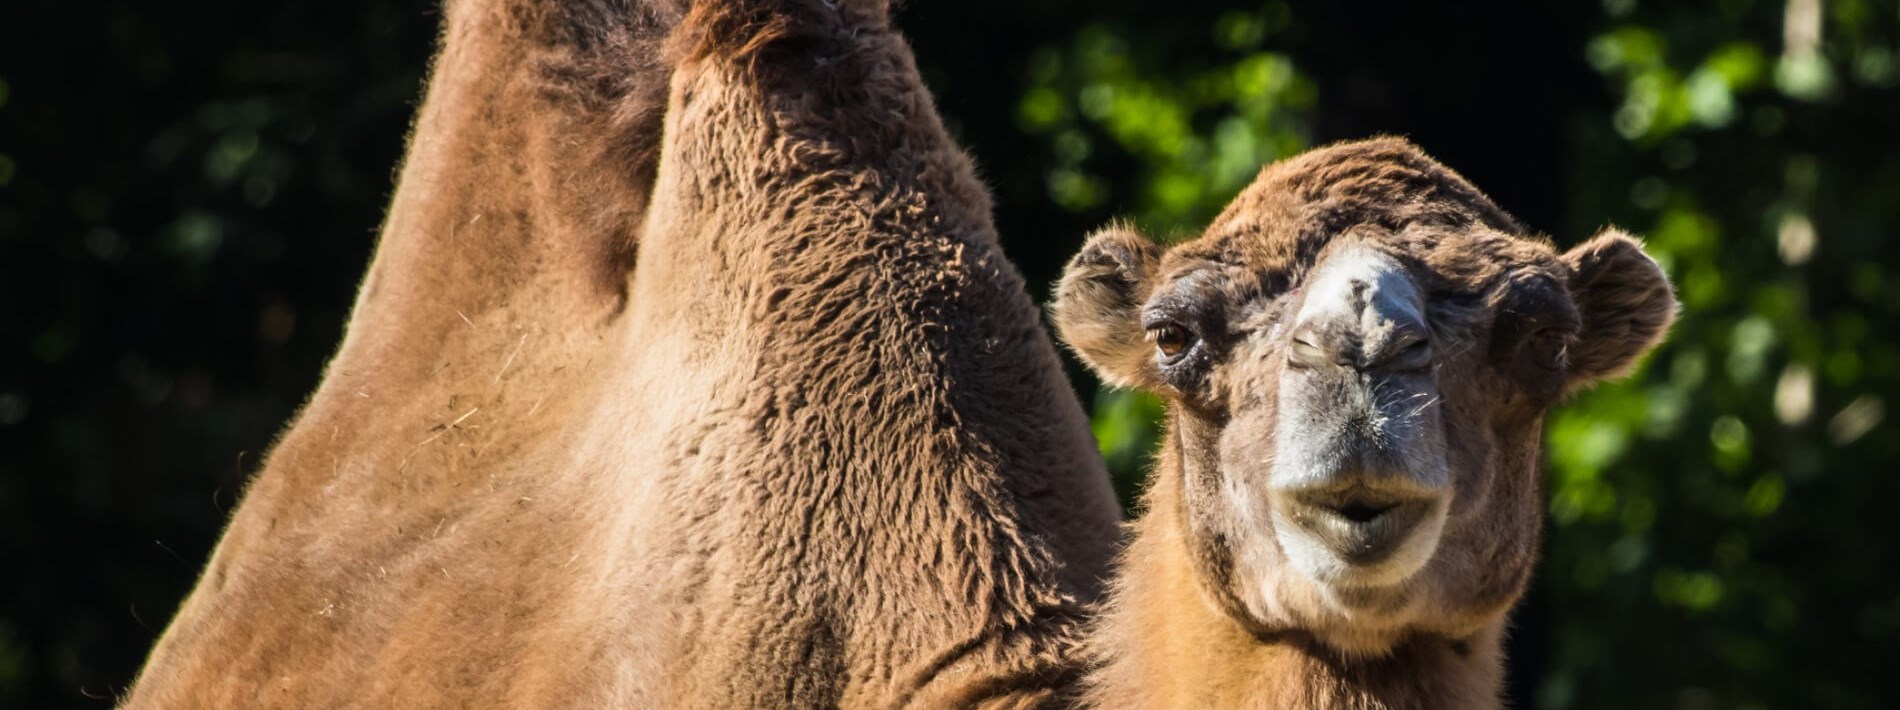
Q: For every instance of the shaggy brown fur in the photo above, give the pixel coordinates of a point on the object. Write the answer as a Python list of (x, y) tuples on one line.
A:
[(1266, 572), (786, 434)]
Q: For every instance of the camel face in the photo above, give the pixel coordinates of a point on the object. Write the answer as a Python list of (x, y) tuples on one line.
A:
[(1345, 432), (1358, 355)]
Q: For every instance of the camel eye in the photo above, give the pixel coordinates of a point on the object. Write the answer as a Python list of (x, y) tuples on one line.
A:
[(1416, 356), (1170, 339), (1549, 348)]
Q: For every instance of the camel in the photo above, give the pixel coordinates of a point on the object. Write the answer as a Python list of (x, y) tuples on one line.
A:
[(688, 373), (1357, 356)]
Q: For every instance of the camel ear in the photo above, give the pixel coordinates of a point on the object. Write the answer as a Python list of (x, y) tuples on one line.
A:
[(1097, 309), (1625, 303)]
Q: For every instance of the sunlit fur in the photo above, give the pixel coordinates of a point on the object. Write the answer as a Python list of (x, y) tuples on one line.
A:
[(755, 414), (1233, 594)]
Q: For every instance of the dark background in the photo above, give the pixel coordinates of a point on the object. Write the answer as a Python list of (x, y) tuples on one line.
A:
[(189, 193)]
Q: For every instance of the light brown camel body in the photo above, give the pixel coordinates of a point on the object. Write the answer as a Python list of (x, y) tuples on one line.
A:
[(1358, 355), (786, 434)]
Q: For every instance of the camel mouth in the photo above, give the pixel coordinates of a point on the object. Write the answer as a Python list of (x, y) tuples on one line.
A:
[(1367, 535), (1362, 512), (1364, 531)]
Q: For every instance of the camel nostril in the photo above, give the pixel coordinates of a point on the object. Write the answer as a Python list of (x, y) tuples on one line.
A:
[(1303, 353)]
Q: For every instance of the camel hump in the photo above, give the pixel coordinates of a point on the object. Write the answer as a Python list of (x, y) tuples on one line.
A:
[(748, 32)]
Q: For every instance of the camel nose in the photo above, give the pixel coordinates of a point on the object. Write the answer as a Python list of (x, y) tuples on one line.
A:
[(1362, 311)]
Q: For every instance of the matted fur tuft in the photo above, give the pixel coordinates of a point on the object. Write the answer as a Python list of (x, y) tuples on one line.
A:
[(751, 32)]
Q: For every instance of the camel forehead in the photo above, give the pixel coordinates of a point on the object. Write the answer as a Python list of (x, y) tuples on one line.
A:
[(1281, 225)]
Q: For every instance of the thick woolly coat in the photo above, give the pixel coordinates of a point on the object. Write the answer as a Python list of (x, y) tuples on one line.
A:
[(689, 383)]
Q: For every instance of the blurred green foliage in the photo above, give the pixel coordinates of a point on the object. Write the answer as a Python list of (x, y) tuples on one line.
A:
[(1727, 503), (1199, 133), (188, 195)]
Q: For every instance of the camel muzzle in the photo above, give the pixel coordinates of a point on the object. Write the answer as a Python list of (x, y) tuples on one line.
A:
[(1368, 522)]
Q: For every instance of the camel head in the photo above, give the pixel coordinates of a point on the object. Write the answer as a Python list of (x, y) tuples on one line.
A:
[(1358, 355)]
